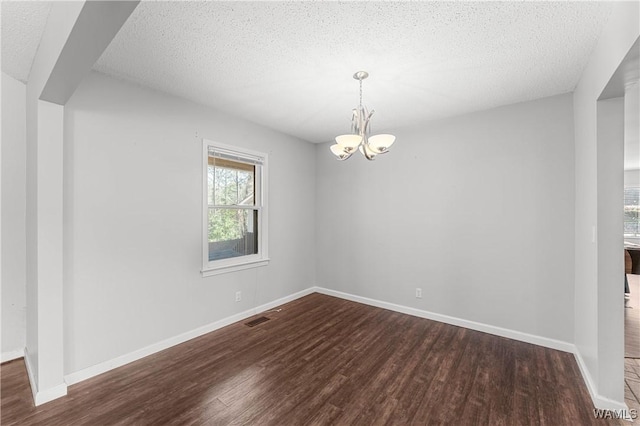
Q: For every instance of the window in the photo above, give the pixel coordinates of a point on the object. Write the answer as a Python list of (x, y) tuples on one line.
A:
[(631, 209), (234, 216)]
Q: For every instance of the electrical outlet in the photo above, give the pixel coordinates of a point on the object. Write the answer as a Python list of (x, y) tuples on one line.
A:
[(238, 296), (418, 293)]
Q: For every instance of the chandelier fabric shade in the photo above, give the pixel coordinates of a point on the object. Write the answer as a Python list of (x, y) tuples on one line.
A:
[(359, 139)]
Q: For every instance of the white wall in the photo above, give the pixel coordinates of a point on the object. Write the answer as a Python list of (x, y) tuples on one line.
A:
[(632, 127), (592, 319), (13, 217), (632, 140), (476, 210), (610, 131), (631, 177), (133, 220)]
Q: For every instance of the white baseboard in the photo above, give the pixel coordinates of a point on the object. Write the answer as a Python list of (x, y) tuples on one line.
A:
[(485, 328), (32, 377), (42, 396), (598, 400), (11, 355), (103, 367)]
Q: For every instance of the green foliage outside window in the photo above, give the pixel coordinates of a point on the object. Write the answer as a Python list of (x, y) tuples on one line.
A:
[(229, 187)]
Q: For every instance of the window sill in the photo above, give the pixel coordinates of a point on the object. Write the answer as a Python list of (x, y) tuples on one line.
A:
[(217, 270)]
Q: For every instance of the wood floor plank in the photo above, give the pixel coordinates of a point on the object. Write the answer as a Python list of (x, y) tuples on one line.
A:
[(324, 361)]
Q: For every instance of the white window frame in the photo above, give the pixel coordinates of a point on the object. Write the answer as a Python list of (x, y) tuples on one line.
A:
[(221, 266)]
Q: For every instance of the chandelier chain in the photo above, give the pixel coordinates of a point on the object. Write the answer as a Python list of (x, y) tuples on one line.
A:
[(360, 92)]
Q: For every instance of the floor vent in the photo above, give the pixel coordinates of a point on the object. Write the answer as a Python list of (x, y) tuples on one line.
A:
[(257, 321)]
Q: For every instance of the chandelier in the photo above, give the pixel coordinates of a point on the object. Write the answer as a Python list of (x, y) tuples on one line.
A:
[(359, 138)]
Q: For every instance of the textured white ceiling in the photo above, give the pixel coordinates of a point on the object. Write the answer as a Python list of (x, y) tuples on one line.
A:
[(289, 65), (22, 26)]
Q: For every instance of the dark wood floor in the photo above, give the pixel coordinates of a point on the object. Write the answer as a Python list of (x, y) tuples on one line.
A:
[(323, 360)]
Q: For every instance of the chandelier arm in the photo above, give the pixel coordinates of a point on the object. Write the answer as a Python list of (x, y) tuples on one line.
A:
[(364, 128), (345, 156), (367, 155), (366, 124)]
